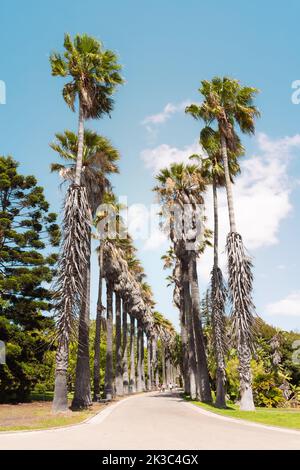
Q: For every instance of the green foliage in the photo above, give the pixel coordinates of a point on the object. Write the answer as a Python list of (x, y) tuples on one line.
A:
[(93, 73), (27, 229), (270, 380), (265, 391)]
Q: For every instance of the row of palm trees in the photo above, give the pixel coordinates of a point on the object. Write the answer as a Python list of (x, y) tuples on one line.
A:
[(88, 160), (94, 75), (225, 106)]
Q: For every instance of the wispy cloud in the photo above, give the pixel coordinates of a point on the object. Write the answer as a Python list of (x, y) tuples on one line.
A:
[(163, 155), (166, 113), (153, 121), (289, 306)]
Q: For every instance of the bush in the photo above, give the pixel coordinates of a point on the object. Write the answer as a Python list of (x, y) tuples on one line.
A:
[(265, 391)]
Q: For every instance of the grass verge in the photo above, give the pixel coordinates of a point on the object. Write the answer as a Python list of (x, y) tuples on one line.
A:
[(280, 417), (38, 415)]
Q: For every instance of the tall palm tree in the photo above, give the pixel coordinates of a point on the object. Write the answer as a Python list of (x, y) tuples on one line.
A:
[(213, 171), (94, 75), (170, 261), (179, 189), (99, 160), (227, 103)]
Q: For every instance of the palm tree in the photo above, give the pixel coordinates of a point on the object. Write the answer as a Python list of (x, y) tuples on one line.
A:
[(99, 160), (213, 171), (179, 189), (94, 75), (170, 261), (227, 103)]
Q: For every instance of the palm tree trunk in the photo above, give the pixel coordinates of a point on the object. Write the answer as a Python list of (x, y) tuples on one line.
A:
[(240, 283), (202, 369), (156, 378), (139, 358), (60, 401), (184, 345), (218, 297), (82, 394), (163, 364), (132, 379), (143, 361), (108, 387), (80, 146), (119, 372), (167, 368), (154, 363), (192, 367), (125, 355), (228, 183), (244, 353), (149, 362), (97, 343)]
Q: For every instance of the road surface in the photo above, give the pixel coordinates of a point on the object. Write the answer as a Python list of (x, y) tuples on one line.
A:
[(155, 421)]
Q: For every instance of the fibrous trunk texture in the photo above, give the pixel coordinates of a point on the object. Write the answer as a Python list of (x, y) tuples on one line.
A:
[(240, 285), (124, 352), (132, 379), (139, 358), (108, 386), (163, 364), (82, 393), (218, 298), (71, 282), (119, 372), (149, 364), (97, 343), (154, 363)]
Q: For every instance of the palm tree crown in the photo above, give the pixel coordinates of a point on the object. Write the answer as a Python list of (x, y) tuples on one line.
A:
[(94, 74)]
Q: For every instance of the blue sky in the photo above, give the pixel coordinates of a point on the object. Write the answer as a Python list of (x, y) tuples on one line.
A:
[(166, 48)]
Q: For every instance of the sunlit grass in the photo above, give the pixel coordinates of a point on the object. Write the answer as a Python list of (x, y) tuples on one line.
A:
[(283, 417)]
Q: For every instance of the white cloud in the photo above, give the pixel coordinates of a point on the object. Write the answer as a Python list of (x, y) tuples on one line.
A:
[(156, 240), (261, 192), (290, 306), (162, 156), (166, 113)]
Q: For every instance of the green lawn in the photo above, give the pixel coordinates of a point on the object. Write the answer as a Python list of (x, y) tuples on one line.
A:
[(283, 417)]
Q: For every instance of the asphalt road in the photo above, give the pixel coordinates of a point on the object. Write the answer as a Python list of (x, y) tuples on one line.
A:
[(155, 421)]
